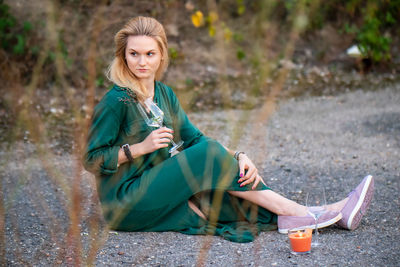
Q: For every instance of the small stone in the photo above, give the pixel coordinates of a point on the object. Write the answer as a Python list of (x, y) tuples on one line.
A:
[(121, 253)]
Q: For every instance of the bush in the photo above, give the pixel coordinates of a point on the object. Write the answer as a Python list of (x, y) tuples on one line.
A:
[(13, 36)]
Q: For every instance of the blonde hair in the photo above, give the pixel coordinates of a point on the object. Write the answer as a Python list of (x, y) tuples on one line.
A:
[(119, 72)]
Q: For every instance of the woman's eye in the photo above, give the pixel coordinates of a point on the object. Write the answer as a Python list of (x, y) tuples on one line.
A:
[(133, 53), (150, 53)]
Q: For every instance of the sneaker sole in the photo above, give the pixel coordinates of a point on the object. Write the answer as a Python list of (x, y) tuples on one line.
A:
[(312, 226), (362, 205)]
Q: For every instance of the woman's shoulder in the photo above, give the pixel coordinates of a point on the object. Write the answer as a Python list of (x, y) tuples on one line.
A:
[(116, 98), (117, 95)]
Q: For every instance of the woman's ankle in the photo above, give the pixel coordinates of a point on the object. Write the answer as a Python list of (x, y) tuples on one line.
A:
[(337, 206), (303, 211)]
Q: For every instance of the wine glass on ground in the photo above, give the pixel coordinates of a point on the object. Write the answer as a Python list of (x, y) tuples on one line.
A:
[(155, 118), (316, 203)]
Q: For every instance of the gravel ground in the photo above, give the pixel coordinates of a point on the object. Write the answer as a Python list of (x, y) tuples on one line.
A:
[(334, 141)]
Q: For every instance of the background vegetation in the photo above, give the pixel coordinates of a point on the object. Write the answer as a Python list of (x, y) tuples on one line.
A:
[(224, 54)]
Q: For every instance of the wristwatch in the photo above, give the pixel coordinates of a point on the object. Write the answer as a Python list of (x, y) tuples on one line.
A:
[(237, 154), (127, 152)]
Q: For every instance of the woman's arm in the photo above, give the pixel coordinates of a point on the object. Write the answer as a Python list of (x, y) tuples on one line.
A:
[(155, 140), (248, 171), (101, 155)]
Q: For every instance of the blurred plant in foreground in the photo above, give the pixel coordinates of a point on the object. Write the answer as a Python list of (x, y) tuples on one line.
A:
[(251, 45)]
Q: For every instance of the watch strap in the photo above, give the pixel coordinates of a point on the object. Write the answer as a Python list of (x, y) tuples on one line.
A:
[(237, 154), (127, 152)]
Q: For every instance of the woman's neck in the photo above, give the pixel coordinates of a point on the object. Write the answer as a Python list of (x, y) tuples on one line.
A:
[(149, 84)]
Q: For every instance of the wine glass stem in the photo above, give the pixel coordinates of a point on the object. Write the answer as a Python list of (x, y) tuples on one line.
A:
[(316, 230), (172, 141)]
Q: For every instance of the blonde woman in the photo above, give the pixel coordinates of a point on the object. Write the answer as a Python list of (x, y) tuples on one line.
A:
[(204, 189)]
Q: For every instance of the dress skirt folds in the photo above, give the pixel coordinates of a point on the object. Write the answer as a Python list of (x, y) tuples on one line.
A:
[(152, 192)]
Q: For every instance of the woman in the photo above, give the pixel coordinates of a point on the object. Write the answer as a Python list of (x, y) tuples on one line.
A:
[(204, 189)]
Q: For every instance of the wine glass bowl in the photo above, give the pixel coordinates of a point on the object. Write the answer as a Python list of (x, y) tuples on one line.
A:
[(155, 118)]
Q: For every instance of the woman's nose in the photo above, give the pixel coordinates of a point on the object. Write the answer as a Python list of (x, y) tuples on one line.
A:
[(142, 60)]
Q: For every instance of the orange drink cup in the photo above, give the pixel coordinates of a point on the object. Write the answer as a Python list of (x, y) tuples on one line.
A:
[(300, 241)]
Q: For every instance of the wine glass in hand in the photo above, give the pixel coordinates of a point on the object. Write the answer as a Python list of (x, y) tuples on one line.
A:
[(155, 118), (316, 203)]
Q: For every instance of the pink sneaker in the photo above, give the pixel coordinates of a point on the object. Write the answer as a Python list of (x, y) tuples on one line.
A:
[(357, 205), (302, 222)]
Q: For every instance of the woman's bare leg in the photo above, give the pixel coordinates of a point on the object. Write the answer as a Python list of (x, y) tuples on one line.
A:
[(273, 202), (196, 210), (280, 205)]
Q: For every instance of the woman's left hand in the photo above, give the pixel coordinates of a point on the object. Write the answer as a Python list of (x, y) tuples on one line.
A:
[(248, 172)]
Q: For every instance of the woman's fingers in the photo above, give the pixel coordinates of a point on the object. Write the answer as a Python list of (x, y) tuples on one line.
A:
[(163, 133), (251, 176), (164, 129), (251, 172), (164, 136), (249, 180), (241, 168), (257, 181), (157, 139)]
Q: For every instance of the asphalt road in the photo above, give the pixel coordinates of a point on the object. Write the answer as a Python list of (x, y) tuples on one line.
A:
[(334, 141)]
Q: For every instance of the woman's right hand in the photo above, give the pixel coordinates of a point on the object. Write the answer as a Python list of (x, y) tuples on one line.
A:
[(157, 139)]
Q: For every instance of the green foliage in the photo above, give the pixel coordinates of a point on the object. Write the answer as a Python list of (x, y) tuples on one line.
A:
[(378, 17), (349, 28), (371, 22), (173, 53), (240, 54), (13, 37), (373, 43), (241, 7), (100, 81), (189, 82), (7, 22), (18, 48)]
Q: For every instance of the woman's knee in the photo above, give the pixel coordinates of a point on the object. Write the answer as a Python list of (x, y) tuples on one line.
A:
[(216, 151)]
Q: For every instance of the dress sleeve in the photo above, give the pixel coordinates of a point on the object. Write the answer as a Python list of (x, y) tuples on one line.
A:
[(101, 155), (189, 133)]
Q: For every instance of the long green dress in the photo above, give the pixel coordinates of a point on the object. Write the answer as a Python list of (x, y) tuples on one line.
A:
[(152, 192)]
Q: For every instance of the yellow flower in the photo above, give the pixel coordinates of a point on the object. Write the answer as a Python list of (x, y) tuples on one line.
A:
[(198, 19)]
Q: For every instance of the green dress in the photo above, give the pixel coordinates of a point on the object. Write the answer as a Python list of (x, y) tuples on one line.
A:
[(152, 192)]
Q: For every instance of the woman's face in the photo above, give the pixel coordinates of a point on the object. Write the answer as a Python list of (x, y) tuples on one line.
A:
[(143, 56)]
